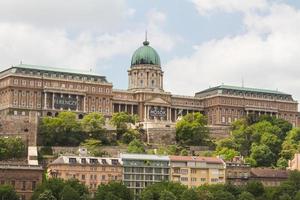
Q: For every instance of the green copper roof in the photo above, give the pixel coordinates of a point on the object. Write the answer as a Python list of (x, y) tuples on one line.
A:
[(56, 69), (145, 55), (244, 89)]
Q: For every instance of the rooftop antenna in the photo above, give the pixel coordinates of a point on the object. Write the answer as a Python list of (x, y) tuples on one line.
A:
[(146, 39), (242, 81)]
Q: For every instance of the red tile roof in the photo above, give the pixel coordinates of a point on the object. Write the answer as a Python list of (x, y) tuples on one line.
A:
[(197, 158), (268, 173)]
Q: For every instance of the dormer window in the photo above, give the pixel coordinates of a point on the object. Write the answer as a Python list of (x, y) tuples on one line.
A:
[(72, 160)]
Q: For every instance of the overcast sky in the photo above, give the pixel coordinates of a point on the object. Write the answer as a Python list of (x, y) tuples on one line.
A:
[(201, 43)]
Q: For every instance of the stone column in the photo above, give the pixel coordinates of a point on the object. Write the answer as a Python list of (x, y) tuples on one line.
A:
[(76, 102), (61, 95), (145, 112), (69, 107), (132, 109), (45, 100), (175, 114), (119, 107), (84, 107), (125, 107), (53, 101)]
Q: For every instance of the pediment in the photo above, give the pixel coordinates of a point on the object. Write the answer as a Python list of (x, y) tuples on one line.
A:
[(157, 100)]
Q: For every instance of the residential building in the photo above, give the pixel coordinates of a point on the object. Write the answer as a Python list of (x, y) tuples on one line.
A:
[(268, 176), (142, 170), (24, 178), (195, 171), (237, 171), (91, 171), (294, 164)]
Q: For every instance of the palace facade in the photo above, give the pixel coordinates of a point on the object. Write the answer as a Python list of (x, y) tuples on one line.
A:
[(48, 91)]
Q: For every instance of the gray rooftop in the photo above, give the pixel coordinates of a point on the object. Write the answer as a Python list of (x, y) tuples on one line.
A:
[(144, 157), (243, 89), (56, 69)]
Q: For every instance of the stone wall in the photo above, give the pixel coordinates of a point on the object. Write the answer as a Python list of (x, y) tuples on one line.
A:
[(22, 126)]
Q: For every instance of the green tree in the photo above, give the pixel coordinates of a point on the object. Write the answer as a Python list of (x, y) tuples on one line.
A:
[(297, 196), (63, 130), (285, 197), (256, 188), (68, 193), (121, 120), (190, 194), (47, 195), (136, 146), (153, 192), (56, 186), (93, 122), (93, 125), (117, 189), (12, 147), (282, 163), (246, 196), (167, 195), (7, 192), (222, 195), (192, 130), (227, 154), (93, 146), (262, 155), (77, 186)]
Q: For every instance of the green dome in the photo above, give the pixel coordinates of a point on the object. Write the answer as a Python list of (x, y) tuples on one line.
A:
[(145, 55)]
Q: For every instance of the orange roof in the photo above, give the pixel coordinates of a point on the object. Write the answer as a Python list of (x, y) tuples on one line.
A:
[(196, 158)]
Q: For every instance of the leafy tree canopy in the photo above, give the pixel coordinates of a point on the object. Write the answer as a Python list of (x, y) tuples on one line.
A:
[(114, 190), (8, 192), (192, 130)]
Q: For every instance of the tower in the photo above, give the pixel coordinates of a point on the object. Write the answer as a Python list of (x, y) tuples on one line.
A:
[(145, 71)]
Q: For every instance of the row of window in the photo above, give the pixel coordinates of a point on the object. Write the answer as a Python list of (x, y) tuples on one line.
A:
[(146, 170), (23, 185), (62, 85), (256, 95), (64, 76)]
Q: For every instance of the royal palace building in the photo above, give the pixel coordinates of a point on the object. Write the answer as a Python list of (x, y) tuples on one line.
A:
[(47, 90)]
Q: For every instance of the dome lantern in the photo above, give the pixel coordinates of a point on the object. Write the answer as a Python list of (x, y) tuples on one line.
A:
[(145, 55)]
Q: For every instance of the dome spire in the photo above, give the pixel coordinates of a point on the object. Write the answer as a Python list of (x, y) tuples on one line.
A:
[(146, 43)]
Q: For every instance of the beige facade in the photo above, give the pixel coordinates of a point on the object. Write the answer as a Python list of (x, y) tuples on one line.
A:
[(237, 171), (269, 177), (48, 91), (91, 171), (24, 178), (25, 88), (196, 171), (294, 164)]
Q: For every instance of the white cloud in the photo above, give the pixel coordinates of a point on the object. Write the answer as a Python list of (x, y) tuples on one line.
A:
[(265, 56), (100, 15), (46, 45), (204, 7)]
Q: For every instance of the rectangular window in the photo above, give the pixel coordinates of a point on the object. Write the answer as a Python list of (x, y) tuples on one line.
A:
[(184, 179), (13, 183), (24, 185), (72, 160), (183, 171), (16, 81), (33, 185)]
